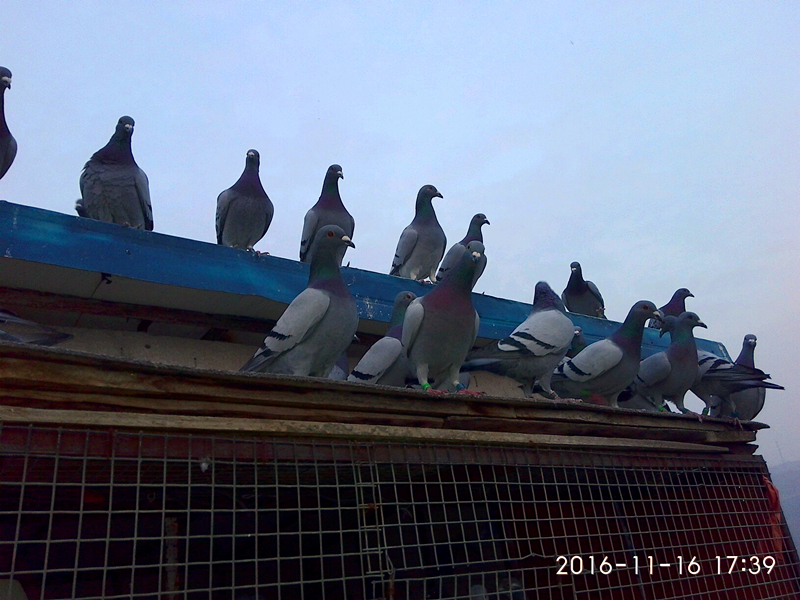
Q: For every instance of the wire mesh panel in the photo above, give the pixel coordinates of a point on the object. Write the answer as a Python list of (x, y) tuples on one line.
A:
[(95, 514)]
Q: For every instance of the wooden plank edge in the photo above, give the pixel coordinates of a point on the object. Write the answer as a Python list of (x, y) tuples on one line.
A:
[(336, 430)]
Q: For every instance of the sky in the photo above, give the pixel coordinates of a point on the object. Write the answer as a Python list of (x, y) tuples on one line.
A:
[(656, 143)]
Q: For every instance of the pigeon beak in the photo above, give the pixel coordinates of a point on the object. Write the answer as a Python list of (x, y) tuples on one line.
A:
[(658, 314), (128, 128), (573, 270), (438, 195), (691, 295), (348, 241), (340, 174), (476, 255), (701, 324), (250, 154), (7, 81), (486, 222)]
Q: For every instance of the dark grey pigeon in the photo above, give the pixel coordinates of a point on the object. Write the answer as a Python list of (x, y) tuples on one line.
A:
[(422, 243), (8, 145), (578, 342), (328, 210), (719, 378), (386, 363), (440, 328), (244, 211), (16, 329), (113, 187), (582, 297), (669, 374), (604, 369), (674, 308), (746, 404), (534, 348), (320, 322), (474, 233)]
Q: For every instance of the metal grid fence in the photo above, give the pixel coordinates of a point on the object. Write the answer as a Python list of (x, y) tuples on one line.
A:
[(108, 514)]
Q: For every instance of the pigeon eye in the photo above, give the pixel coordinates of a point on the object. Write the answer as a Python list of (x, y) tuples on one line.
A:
[(330, 234)]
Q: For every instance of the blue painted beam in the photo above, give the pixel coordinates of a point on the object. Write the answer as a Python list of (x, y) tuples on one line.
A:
[(49, 238)]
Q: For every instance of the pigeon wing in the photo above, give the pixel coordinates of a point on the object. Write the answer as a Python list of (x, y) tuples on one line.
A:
[(295, 324), (411, 324), (593, 361), (143, 191), (309, 231), (405, 246), (377, 360), (223, 204), (653, 370)]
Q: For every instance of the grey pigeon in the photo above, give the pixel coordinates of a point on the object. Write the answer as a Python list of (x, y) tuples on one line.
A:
[(474, 233), (674, 308), (669, 374), (604, 369), (718, 378), (440, 328), (422, 243), (244, 211), (534, 348), (320, 322), (748, 403), (8, 145), (578, 342), (328, 210), (113, 187), (582, 297), (386, 363), (16, 329)]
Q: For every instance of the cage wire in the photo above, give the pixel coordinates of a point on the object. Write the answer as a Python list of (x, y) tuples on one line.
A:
[(110, 514)]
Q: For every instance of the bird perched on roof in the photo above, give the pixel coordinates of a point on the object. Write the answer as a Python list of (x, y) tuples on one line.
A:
[(582, 297), (8, 145), (578, 342), (22, 331), (386, 363), (244, 211), (674, 308), (422, 243), (113, 187), (441, 327), (605, 368), (474, 233), (748, 403), (329, 210), (669, 374), (534, 348), (319, 323), (718, 379)]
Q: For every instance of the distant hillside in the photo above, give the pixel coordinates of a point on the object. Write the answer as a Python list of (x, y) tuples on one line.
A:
[(786, 478)]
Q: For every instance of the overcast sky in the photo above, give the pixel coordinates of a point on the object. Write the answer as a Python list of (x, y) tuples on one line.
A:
[(656, 143)]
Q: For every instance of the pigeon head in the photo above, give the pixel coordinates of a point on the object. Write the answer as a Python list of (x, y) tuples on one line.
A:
[(475, 250), (747, 355), (474, 229), (545, 298), (750, 340), (682, 294), (689, 320), (324, 263), (638, 314), (575, 267), (667, 324), (333, 237), (124, 128), (5, 79), (253, 159), (401, 302), (330, 186)]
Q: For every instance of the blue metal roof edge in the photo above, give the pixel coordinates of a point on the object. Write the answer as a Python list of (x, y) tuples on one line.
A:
[(43, 236)]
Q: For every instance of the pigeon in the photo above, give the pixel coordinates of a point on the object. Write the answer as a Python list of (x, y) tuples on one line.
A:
[(328, 210), (244, 211), (669, 374), (8, 145), (582, 297), (22, 331), (440, 328), (473, 234), (673, 308), (422, 243), (113, 187), (578, 342), (607, 367), (748, 403), (534, 348), (719, 378), (320, 322), (386, 363), (340, 368)]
